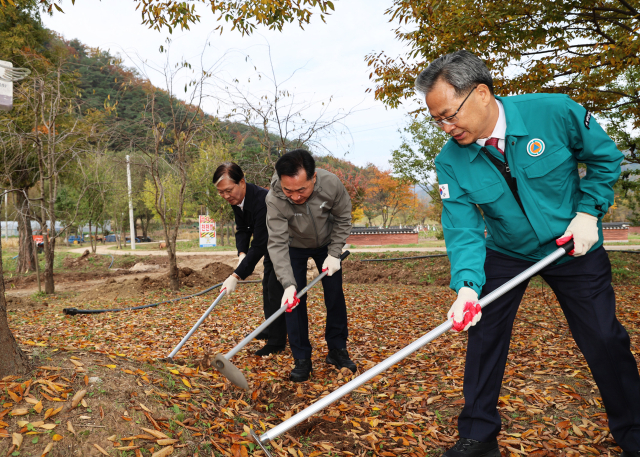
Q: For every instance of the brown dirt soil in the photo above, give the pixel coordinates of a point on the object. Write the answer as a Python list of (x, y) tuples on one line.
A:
[(70, 262), (21, 282), (420, 273), (212, 274), (115, 406), (24, 303)]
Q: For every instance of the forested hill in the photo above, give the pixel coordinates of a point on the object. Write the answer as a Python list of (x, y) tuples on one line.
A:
[(104, 82)]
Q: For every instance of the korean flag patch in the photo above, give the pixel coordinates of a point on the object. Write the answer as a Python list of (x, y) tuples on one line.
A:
[(444, 191)]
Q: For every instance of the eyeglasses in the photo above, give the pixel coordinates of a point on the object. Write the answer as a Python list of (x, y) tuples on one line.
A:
[(450, 120)]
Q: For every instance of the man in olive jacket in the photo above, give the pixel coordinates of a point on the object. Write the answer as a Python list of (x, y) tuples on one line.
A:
[(309, 215)]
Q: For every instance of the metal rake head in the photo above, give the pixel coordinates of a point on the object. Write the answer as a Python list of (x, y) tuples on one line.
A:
[(13, 73)]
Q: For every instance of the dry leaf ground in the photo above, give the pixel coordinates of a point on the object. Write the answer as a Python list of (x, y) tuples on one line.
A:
[(136, 405)]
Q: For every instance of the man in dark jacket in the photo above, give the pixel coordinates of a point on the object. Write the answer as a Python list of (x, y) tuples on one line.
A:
[(248, 204)]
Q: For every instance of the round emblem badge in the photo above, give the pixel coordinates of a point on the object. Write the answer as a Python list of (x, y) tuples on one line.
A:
[(535, 147)]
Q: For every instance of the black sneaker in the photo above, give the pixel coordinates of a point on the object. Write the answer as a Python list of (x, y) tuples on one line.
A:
[(301, 371), (340, 358), (630, 454), (269, 349), (466, 447), (262, 336)]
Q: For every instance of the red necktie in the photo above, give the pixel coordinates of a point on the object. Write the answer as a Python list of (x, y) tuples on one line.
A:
[(494, 142)]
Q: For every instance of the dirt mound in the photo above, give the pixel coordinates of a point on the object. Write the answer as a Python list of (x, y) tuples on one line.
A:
[(140, 267), (213, 273), (420, 272), (70, 262), (217, 270)]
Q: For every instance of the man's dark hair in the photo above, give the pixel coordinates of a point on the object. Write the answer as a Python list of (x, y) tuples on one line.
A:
[(292, 162), (229, 169), (462, 69)]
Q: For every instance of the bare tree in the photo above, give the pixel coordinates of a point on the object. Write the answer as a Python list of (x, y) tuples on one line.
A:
[(279, 120), (55, 142), (175, 129)]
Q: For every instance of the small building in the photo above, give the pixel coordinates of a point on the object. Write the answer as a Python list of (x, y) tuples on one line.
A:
[(615, 232), (374, 236)]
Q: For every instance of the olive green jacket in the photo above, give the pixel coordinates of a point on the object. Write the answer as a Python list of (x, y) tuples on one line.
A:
[(323, 220)]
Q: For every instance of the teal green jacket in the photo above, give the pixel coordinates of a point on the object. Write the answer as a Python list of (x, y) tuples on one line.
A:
[(547, 136)]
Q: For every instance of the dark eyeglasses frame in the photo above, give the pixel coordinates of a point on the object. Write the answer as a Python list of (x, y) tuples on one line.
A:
[(447, 120)]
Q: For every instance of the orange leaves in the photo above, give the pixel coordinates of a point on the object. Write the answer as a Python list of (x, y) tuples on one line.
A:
[(241, 451), (409, 410)]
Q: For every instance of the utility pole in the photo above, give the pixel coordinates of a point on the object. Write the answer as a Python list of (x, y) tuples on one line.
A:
[(132, 223), (6, 216)]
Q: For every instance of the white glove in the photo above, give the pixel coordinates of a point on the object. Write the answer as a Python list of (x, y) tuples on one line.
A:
[(290, 299), (465, 311), (241, 256), (229, 284), (584, 229), (331, 264)]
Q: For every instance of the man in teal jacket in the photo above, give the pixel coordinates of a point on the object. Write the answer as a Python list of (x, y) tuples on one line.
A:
[(516, 160)]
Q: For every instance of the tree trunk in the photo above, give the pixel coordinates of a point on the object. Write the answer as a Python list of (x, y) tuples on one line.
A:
[(25, 235), (174, 273), (12, 360), (95, 239), (49, 251), (115, 231), (92, 239), (222, 234)]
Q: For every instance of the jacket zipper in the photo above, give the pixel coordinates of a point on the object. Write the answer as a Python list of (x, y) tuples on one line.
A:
[(315, 229)]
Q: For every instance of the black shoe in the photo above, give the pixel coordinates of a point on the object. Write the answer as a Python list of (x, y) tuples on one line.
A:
[(301, 371), (269, 349), (466, 447), (340, 358), (630, 454), (262, 336)]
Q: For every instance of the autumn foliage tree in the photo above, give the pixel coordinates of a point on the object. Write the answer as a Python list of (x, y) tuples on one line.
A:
[(387, 196), (354, 180), (575, 47), (243, 16)]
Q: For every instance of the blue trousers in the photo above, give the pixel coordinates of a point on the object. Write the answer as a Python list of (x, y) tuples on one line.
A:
[(583, 288), (336, 331)]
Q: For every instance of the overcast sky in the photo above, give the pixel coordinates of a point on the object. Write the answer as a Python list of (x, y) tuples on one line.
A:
[(329, 59)]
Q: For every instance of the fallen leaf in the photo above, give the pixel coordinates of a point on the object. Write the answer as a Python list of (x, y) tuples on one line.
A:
[(100, 449), (16, 439), (163, 452), (77, 398), (47, 449), (155, 433)]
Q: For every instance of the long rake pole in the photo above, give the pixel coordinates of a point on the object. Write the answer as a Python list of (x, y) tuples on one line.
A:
[(403, 353), (277, 314), (197, 324)]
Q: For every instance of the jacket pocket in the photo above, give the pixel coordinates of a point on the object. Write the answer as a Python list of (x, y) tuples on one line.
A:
[(486, 195), (545, 164)]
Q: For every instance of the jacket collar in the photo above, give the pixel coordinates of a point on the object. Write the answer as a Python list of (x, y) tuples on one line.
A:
[(515, 126)]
